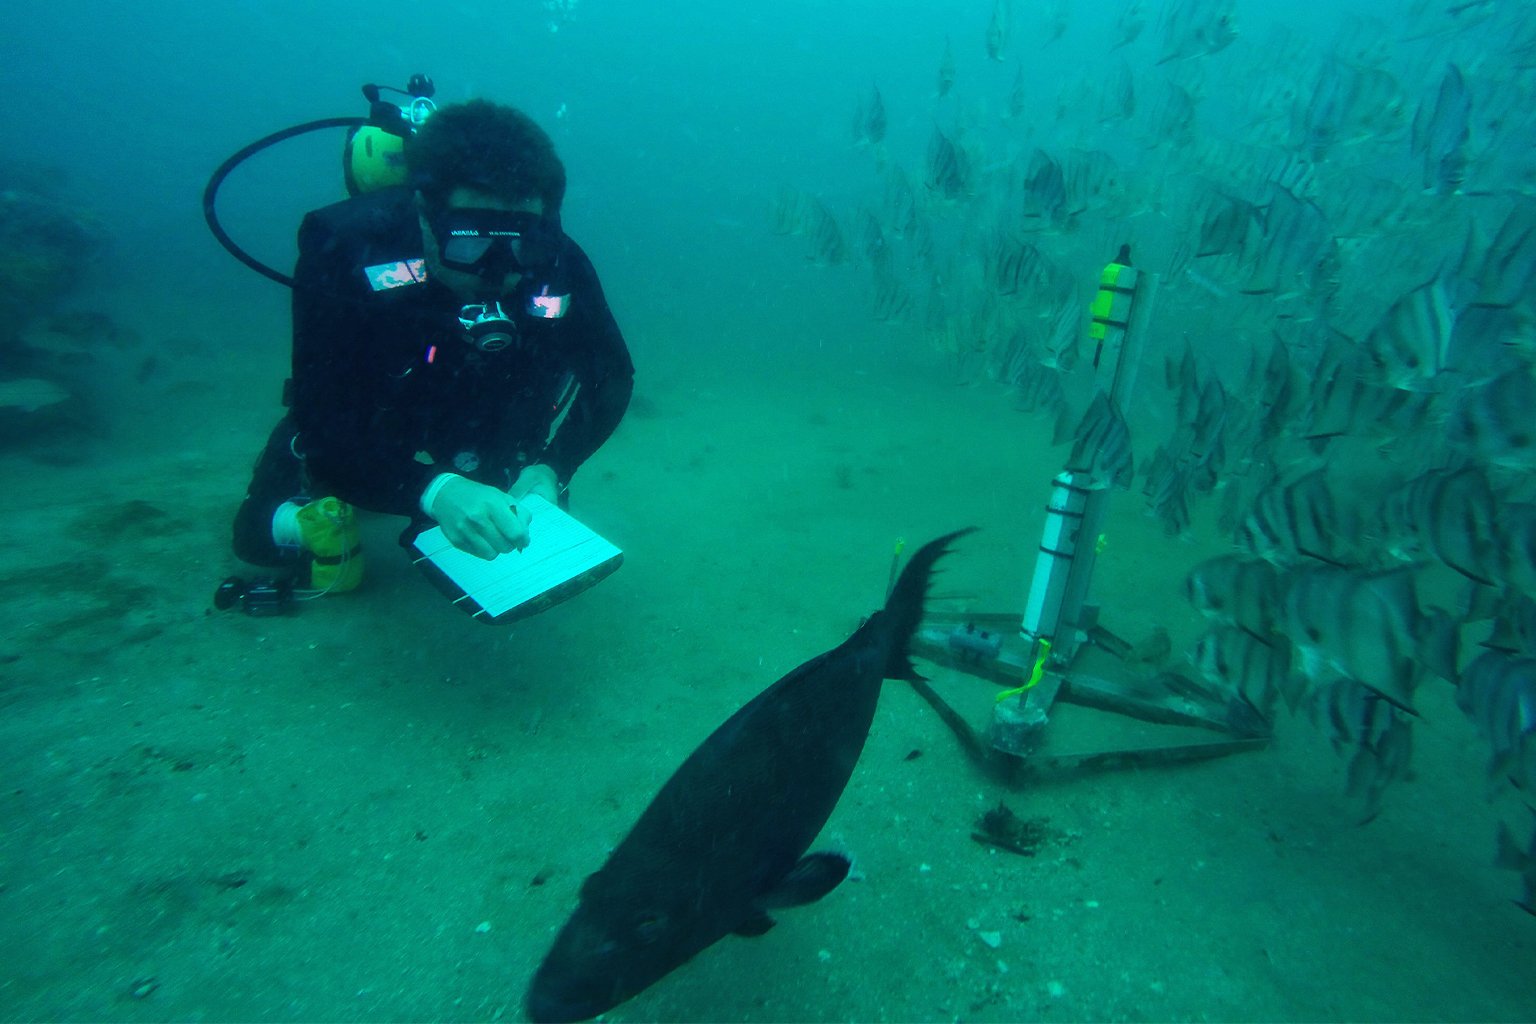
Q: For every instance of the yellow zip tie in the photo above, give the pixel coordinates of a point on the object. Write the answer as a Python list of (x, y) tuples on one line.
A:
[(1035, 675)]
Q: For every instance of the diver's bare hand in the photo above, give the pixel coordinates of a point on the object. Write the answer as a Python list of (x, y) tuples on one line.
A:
[(537, 479)]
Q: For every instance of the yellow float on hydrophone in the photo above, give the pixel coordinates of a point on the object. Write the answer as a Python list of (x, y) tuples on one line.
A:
[(1111, 304), (1103, 309)]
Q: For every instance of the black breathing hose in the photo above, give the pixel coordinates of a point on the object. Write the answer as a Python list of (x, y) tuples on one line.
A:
[(211, 193)]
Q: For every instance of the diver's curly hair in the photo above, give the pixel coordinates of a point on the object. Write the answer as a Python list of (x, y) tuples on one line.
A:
[(487, 147)]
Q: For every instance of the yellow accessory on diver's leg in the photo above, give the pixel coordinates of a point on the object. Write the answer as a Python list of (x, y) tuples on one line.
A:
[(328, 527)]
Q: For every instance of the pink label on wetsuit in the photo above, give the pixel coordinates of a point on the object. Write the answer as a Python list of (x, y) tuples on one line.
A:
[(385, 276), (547, 306)]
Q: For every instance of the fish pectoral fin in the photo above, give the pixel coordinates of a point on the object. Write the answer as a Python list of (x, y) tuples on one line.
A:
[(757, 924), (815, 875)]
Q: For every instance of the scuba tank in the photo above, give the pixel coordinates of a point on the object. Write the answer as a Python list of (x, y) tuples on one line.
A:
[(373, 156)]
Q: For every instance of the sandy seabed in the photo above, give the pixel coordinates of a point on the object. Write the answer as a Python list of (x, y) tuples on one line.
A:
[(377, 809)]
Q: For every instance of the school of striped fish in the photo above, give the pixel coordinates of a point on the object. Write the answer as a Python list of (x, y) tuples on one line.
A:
[(1342, 220)]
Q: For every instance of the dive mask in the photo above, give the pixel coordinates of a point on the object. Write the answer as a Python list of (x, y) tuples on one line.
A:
[(494, 243)]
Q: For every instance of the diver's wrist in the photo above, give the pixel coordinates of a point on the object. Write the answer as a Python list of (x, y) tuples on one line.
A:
[(434, 488)]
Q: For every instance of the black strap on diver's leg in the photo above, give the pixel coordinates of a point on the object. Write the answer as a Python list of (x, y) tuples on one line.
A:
[(279, 475)]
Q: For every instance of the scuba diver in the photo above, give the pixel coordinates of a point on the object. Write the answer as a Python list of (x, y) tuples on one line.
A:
[(452, 348)]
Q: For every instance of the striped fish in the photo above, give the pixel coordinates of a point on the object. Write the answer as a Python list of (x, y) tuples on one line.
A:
[(1493, 422), (827, 245), (1197, 28), (1354, 716), (1257, 670), (1015, 266), (1236, 591), (1117, 94), (1039, 388), (788, 215), (1292, 523), (1509, 263), (1411, 343), (1093, 179), (948, 173), (1343, 402), (1063, 336), (899, 203), (946, 78), (1513, 857), (1296, 248), (1130, 23), (1450, 515), (1517, 547), (1171, 116), (1514, 624), (1497, 692), (1167, 488), (870, 123), (1044, 190), (1101, 446), (997, 28), (1367, 627), (872, 241), (893, 302), (1274, 390), (1225, 226), (1440, 133)]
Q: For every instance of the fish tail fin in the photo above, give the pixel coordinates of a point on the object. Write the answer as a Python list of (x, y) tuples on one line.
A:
[(904, 607), (1510, 857), (1438, 644)]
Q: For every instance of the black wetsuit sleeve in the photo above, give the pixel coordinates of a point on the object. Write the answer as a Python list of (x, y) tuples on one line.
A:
[(335, 380), (607, 376)]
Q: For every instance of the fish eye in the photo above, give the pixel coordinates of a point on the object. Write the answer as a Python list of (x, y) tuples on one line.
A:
[(650, 927)]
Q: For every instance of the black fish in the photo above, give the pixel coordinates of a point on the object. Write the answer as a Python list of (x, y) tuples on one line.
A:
[(724, 840)]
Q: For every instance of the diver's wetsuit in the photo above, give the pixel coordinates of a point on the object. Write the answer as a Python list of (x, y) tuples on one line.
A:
[(387, 393)]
